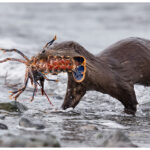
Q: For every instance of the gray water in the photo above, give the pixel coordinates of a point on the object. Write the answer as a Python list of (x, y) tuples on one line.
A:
[(95, 26)]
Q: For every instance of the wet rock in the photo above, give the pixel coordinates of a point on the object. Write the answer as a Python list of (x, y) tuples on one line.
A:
[(2, 117), (27, 123), (88, 127), (38, 140), (13, 107), (3, 126), (99, 135), (117, 139), (59, 97)]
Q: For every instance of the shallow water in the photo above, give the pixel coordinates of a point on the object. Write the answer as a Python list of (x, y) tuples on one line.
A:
[(95, 26)]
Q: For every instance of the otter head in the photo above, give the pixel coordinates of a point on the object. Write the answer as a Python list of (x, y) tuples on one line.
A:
[(73, 51)]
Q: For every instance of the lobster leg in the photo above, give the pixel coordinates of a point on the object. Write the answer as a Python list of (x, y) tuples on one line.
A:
[(34, 91), (15, 50), (46, 77), (19, 91), (44, 93), (42, 86), (47, 97), (34, 82)]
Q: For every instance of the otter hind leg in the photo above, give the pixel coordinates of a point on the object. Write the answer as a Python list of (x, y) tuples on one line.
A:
[(126, 95), (130, 102)]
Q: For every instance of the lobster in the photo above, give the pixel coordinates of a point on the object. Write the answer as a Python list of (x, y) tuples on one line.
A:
[(39, 66)]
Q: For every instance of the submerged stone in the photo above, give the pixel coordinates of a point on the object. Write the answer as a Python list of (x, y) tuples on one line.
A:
[(38, 140), (2, 116), (117, 139), (3, 126), (27, 123), (13, 107)]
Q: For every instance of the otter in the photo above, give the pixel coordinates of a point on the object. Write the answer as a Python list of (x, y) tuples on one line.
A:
[(114, 71)]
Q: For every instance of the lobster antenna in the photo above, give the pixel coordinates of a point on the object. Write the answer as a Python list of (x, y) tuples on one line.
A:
[(15, 50), (13, 59), (45, 95), (51, 42)]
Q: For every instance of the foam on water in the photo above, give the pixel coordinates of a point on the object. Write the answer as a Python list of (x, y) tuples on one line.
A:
[(31, 129), (58, 110), (112, 124)]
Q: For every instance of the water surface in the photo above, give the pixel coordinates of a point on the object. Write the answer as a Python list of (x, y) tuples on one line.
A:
[(95, 26)]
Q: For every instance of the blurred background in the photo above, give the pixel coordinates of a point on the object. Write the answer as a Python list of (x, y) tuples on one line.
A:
[(29, 26), (93, 25)]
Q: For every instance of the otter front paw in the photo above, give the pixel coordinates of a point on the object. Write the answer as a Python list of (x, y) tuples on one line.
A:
[(131, 111)]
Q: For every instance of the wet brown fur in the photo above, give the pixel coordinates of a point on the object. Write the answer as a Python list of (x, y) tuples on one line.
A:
[(113, 72)]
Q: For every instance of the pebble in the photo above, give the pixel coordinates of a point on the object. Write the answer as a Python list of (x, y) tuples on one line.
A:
[(38, 140), (59, 97), (13, 107), (3, 126), (27, 123), (2, 117), (117, 139)]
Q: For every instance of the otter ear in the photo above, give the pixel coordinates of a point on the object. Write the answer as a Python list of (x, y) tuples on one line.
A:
[(51, 42), (80, 70)]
